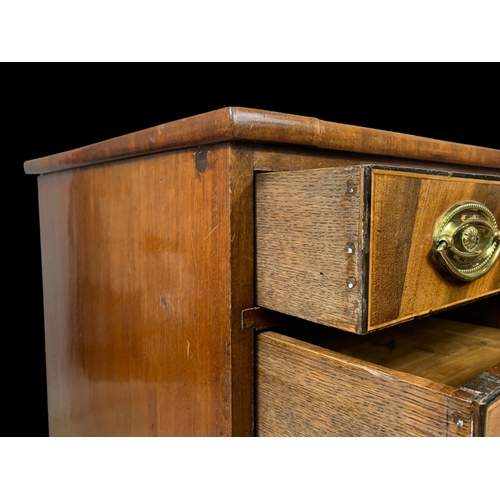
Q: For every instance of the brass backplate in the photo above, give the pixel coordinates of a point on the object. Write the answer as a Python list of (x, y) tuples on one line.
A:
[(466, 241)]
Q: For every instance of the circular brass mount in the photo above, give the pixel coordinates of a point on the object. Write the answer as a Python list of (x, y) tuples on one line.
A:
[(466, 241)]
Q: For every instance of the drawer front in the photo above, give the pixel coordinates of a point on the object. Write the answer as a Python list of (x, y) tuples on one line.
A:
[(404, 280), (492, 427), (402, 381), (351, 247)]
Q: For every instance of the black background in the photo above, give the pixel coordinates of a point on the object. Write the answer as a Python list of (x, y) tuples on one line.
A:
[(48, 110)]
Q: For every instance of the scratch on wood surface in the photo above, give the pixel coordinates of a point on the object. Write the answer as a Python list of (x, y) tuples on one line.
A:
[(193, 246), (213, 229), (190, 354), (164, 301)]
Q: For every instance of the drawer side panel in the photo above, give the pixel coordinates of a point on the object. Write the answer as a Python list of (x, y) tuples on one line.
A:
[(309, 244), (304, 390)]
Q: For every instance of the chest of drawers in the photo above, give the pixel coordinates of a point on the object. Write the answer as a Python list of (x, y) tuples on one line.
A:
[(175, 257)]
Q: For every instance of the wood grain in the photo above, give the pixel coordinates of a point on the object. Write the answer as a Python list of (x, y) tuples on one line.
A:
[(242, 258), (304, 228), (493, 420), (306, 390), (404, 282), (242, 124), (276, 158), (309, 244), (138, 260), (148, 262), (443, 351)]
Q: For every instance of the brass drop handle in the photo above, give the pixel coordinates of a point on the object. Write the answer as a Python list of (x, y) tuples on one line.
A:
[(466, 241)]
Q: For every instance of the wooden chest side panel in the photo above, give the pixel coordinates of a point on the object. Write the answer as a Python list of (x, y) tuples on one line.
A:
[(309, 244), (304, 390), (404, 282), (137, 283), (241, 183)]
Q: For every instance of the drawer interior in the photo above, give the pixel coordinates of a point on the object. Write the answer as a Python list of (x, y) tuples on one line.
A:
[(444, 351)]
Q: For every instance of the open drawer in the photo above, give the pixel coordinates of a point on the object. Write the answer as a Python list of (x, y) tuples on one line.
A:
[(429, 377), (361, 248)]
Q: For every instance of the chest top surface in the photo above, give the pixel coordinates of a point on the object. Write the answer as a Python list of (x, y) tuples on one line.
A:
[(251, 125)]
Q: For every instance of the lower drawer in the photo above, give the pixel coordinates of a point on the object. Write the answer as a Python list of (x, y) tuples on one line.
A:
[(432, 377)]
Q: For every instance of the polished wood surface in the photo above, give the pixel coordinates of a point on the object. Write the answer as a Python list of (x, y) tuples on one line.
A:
[(307, 390), (242, 124), (148, 265), (242, 291), (139, 270), (276, 158), (309, 247), (493, 420), (404, 282)]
